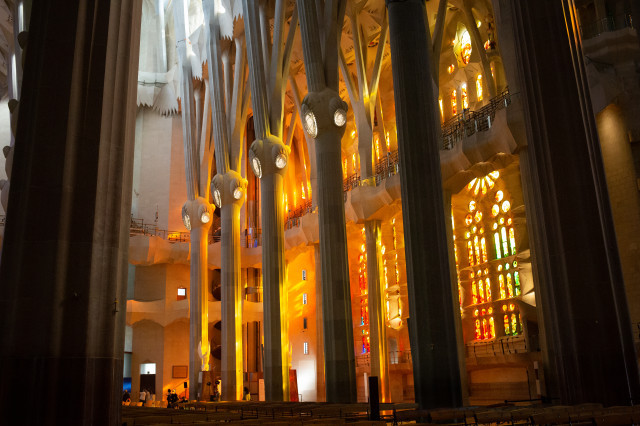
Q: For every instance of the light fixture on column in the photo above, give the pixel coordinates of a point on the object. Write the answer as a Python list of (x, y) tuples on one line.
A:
[(238, 186), (322, 112), (216, 186), (186, 220), (261, 162), (280, 155), (340, 117), (310, 125), (256, 167), (205, 217)]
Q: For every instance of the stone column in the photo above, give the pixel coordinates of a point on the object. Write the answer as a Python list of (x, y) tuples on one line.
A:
[(64, 270), (379, 356), (276, 350), (269, 157), (197, 217), (324, 116), (320, 381), (431, 323), (228, 190), (580, 285)]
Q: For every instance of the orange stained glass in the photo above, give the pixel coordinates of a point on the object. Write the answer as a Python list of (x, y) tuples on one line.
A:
[(484, 187), (512, 306), (483, 246), (506, 205), (480, 292), (463, 94), (478, 331), (476, 245), (478, 216), (495, 174), (474, 293), (459, 294), (487, 286), (468, 220), (507, 327), (454, 102), (509, 286), (495, 210), (512, 240), (496, 239), (514, 324), (485, 329), (503, 293), (476, 190), (492, 328), (479, 87), (472, 206), (499, 196), (470, 185)]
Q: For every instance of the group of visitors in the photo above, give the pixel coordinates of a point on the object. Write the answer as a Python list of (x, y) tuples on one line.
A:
[(172, 398)]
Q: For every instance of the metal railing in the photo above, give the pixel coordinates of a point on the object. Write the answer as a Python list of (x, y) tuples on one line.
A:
[(395, 358), (139, 227), (605, 25), (293, 216), (468, 122)]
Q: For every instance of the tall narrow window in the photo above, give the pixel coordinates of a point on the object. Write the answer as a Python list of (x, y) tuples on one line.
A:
[(479, 87), (304, 298), (306, 348), (463, 95), (304, 323), (454, 102)]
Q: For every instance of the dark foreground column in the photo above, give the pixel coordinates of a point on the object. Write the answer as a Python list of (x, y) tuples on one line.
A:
[(431, 323), (64, 265), (589, 347), (324, 119)]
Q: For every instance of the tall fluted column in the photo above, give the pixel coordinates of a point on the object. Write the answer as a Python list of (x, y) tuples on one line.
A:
[(580, 285), (197, 217), (228, 191), (320, 381), (379, 356), (431, 322), (324, 118), (64, 267), (269, 157)]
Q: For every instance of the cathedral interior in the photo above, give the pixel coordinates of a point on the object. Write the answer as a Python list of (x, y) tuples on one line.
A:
[(295, 199)]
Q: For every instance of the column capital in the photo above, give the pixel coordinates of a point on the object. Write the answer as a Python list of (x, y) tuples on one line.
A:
[(324, 112), (197, 214), (268, 156), (228, 188)]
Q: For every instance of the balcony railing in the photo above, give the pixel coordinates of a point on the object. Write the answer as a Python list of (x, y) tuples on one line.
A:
[(139, 227), (395, 357), (468, 122), (605, 25)]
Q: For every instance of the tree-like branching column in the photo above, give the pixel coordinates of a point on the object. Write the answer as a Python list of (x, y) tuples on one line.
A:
[(269, 157), (324, 118), (229, 105), (364, 98), (196, 212)]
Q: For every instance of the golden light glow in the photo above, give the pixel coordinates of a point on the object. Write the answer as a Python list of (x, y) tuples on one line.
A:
[(463, 94), (479, 87), (454, 102)]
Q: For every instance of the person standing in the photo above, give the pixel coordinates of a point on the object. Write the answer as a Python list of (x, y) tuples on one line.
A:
[(143, 396)]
